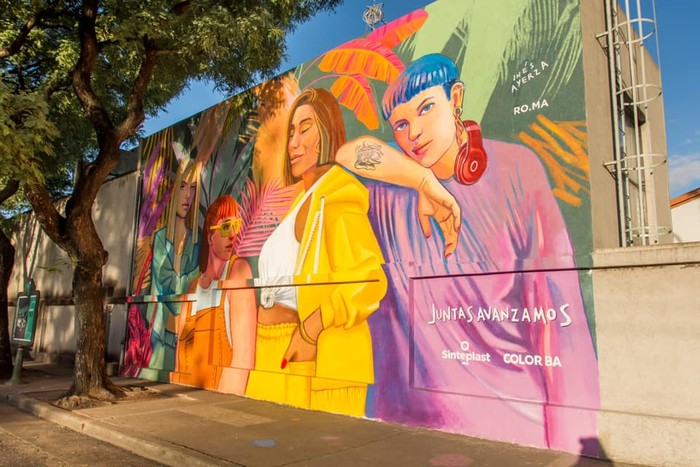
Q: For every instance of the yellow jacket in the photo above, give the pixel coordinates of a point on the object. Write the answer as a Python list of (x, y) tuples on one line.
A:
[(340, 273)]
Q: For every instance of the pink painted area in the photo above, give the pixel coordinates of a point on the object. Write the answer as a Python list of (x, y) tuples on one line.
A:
[(514, 252)]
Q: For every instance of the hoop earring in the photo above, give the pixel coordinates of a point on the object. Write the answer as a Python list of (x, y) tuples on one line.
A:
[(471, 159)]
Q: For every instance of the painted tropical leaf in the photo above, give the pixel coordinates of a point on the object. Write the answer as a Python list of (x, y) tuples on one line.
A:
[(563, 149), (355, 93), (151, 207), (364, 57), (397, 31), (228, 169), (209, 130), (262, 210), (142, 265), (550, 31)]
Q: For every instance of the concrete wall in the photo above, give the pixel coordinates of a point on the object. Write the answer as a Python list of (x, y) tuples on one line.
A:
[(599, 123), (38, 257), (600, 137), (648, 331)]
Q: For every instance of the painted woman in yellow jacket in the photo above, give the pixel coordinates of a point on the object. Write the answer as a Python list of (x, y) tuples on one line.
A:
[(321, 275)]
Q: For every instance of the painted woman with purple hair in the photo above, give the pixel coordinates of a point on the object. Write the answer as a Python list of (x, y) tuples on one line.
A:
[(174, 265), (493, 340)]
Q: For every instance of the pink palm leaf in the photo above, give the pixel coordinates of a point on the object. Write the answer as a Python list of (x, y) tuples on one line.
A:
[(262, 210), (397, 31), (152, 208)]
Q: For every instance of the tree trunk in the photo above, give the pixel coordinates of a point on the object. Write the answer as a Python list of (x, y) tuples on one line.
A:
[(88, 297), (77, 236), (7, 262)]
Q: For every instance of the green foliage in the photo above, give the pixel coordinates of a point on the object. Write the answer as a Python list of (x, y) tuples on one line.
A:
[(233, 43), (25, 134)]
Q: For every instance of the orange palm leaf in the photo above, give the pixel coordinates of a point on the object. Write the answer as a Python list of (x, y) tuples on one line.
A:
[(355, 93), (398, 30), (370, 59)]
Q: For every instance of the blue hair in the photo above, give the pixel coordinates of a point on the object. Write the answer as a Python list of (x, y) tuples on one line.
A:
[(428, 71)]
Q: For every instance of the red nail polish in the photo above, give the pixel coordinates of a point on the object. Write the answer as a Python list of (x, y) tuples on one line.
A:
[(284, 363)]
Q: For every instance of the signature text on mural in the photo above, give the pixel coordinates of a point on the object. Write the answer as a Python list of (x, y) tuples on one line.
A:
[(525, 108), (479, 314), (527, 73)]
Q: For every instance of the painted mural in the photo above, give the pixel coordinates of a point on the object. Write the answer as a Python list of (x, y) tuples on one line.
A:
[(391, 230)]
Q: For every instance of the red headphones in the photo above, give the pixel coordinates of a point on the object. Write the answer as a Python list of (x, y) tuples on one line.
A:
[(471, 160)]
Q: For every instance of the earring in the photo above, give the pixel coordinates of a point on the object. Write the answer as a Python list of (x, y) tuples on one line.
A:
[(471, 160), (459, 126)]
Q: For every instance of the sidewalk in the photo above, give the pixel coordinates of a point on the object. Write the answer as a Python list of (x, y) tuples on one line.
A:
[(177, 425)]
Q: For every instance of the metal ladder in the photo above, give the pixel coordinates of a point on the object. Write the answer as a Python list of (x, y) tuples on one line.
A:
[(631, 93)]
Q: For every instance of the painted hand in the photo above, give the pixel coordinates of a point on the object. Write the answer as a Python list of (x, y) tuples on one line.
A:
[(435, 201), (299, 350), (302, 345)]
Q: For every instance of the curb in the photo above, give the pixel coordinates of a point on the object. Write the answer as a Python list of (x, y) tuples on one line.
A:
[(149, 448)]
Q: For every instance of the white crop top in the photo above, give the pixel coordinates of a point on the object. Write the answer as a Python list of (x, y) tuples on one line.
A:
[(211, 298), (278, 260)]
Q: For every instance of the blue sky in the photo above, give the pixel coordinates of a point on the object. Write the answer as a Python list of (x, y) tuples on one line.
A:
[(678, 37)]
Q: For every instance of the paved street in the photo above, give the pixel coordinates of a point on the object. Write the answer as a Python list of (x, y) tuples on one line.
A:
[(27, 441)]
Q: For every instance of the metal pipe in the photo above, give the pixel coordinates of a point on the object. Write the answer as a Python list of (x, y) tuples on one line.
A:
[(633, 87), (612, 68)]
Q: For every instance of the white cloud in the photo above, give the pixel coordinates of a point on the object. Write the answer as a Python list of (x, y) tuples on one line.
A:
[(683, 172)]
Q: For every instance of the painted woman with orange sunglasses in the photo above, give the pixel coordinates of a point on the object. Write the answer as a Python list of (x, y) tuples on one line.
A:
[(216, 338)]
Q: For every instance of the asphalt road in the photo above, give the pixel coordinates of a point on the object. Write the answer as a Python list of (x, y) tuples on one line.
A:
[(28, 441)]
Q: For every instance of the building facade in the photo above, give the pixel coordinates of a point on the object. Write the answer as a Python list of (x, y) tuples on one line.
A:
[(408, 227)]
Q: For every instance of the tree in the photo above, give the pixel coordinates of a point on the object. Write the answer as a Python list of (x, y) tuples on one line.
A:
[(108, 64), (24, 125)]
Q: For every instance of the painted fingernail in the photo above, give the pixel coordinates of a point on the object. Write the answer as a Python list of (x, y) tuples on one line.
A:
[(284, 363)]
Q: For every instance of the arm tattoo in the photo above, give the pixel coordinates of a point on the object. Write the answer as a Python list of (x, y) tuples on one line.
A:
[(368, 156)]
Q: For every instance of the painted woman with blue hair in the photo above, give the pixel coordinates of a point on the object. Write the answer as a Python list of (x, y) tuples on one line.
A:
[(492, 340)]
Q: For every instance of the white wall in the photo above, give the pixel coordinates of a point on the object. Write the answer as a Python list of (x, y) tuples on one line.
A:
[(686, 221), (37, 256)]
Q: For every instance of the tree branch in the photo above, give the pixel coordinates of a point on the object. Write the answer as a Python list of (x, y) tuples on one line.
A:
[(10, 189), (55, 86), (82, 74), (180, 8), (135, 113), (46, 213), (21, 38)]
